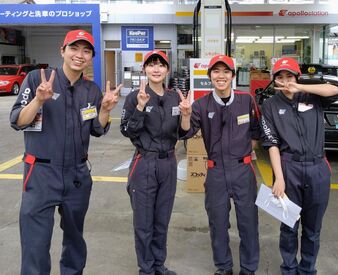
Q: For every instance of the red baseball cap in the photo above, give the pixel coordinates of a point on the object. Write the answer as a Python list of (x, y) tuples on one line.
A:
[(156, 52), (76, 35), (226, 60), (286, 64)]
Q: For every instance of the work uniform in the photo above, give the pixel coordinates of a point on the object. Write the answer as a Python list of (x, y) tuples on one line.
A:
[(296, 127), (56, 172), (227, 130), (152, 175)]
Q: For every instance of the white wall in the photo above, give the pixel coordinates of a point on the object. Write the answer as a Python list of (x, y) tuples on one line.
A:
[(46, 52), (43, 44)]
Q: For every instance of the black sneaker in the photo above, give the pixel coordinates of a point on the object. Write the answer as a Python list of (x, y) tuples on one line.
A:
[(221, 271), (243, 272), (164, 271)]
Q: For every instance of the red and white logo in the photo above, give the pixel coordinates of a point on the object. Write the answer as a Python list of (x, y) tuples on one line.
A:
[(302, 13), (282, 12), (200, 66)]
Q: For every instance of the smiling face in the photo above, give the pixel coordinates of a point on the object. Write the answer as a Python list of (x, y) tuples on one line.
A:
[(221, 78), (77, 56), (156, 71)]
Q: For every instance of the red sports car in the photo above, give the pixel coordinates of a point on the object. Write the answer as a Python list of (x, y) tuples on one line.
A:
[(11, 77)]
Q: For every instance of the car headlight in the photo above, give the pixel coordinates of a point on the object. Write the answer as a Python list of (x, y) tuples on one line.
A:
[(4, 83)]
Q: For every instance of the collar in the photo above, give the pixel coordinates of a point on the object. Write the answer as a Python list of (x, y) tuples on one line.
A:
[(153, 93), (283, 97), (219, 100), (64, 78)]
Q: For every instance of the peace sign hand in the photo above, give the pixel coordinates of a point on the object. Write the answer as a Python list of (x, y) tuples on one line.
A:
[(45, 90), (110, 98), (142, 96), (185, 104), (291, 87)]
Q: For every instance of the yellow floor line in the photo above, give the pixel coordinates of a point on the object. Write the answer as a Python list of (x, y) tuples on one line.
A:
[(95, 178), (11, 176), (8, 164), (110, 179)]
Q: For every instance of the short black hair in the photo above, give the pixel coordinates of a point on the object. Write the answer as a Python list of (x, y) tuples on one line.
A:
[(92, 48), (209, 70), (279, 72), (154, 58)]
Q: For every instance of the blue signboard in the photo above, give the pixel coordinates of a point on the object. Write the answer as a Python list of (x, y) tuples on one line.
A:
[(137, 38), (63, 14)]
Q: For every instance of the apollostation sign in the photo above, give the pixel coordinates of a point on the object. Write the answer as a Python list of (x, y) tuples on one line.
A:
[(302, 13)]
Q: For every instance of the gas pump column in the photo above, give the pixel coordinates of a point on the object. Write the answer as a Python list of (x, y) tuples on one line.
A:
[(212, 38), (212, 28)]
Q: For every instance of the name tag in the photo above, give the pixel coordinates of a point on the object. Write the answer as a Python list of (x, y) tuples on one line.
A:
[(36, 125), (88, 113), (302, 107), (243, 119), (175, 111)]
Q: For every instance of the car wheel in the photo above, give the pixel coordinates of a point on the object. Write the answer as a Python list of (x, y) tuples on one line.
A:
[(15, 89)]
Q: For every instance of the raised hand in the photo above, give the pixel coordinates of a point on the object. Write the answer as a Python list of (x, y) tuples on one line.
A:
[(185, 104), (110, 98), (45, 90), (291, 87), (142, 96)]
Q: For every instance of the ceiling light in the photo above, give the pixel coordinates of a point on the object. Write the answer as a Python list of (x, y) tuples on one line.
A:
[(286, 41), (247, 37), (297, 37)]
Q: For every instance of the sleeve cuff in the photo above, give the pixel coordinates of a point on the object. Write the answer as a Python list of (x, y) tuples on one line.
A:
[(138, 113), (182, 133), (14, 118), (98, 129)]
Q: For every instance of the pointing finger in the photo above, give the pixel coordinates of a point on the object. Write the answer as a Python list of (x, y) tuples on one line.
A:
[(43, 76), (279, 83), (189, 96), (52, 76), (143, 85), (107, 86), (117, 90), (180, 94)]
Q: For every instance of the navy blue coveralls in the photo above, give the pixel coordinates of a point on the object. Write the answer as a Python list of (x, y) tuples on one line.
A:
[(56, 172), (227, 131), (152, 176), (299, 135)]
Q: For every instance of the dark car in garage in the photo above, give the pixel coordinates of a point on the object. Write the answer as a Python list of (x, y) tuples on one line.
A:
[(330, 113)]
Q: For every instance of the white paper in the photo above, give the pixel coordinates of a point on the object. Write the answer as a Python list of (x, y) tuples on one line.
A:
[(122, 166), (281, 208)]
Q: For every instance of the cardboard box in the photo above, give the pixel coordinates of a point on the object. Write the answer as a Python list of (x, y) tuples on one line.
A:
[(258, 75), (195, 145), (196, 173)]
